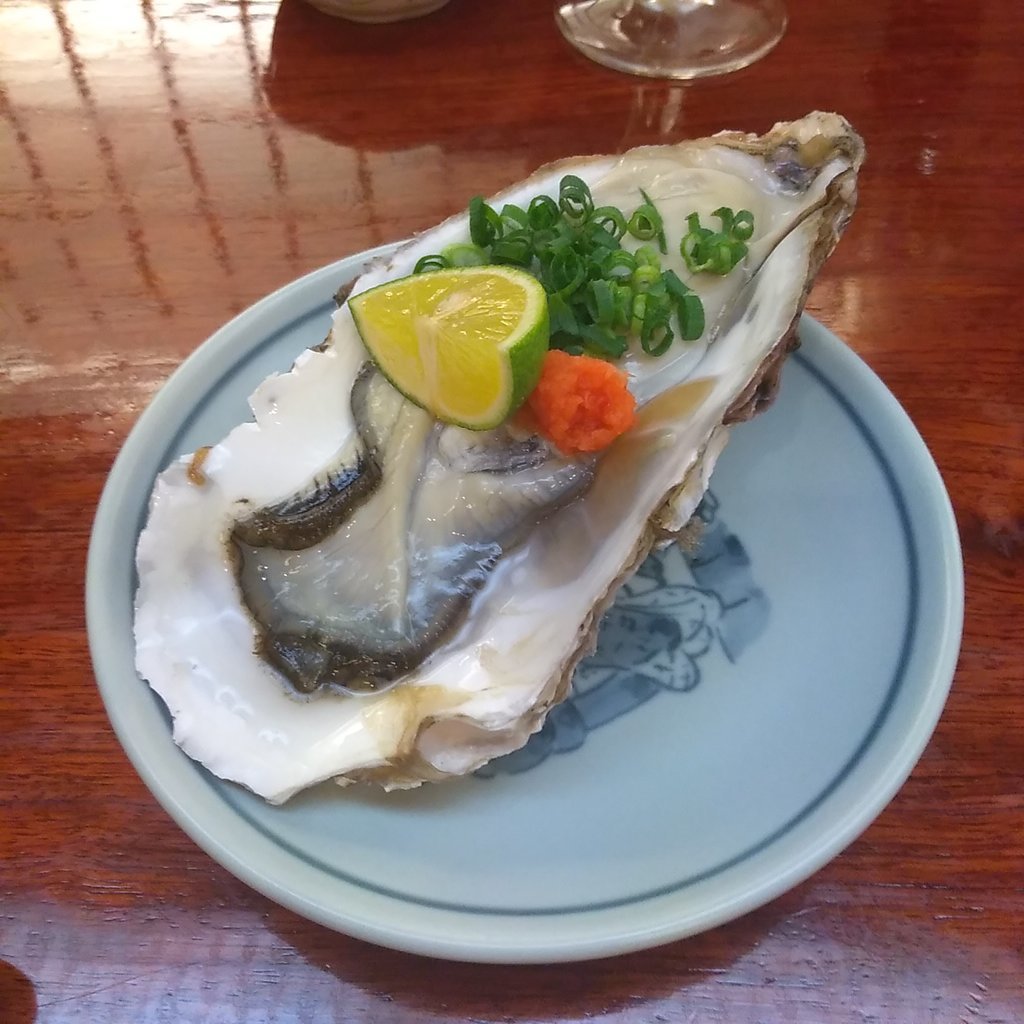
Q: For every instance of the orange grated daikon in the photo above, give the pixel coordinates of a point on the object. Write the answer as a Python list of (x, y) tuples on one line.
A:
[(580, 403)]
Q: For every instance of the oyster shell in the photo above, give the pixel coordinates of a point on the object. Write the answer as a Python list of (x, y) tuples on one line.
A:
[(344, 542)]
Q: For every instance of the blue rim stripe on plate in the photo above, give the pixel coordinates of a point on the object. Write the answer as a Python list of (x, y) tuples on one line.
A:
[(927, 662)]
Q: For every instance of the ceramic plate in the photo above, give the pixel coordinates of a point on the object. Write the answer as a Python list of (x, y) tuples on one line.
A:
[(750, 709)]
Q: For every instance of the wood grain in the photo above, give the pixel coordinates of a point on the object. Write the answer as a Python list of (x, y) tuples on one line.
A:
[(164, 165)]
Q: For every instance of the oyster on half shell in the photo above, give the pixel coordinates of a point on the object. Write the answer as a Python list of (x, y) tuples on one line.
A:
[(349, 589)]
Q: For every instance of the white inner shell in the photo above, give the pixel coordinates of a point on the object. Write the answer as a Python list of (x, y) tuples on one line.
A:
[(195, 642)]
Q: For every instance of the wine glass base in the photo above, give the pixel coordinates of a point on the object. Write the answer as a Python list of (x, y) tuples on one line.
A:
[(677, 39)]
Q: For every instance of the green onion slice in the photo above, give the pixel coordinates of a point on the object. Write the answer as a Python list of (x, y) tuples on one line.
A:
[(647, 256), (717, 252), (485, 225), (644, 276), (596, 237), (516, 249), (743, 225), (636, 322), (656, 333), (566, 343), (689, 308), (599, 297), (645, 223), (603, 341), (611, 219), (725, 215), (690, 311), (662, 241), (462, 254), (542, 213), (514, 216), (563, 319), (575, 200), (431, 262), (619, 264), (563, 270)]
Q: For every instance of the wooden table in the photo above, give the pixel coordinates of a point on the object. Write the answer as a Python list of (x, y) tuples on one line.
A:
[(164, 165)]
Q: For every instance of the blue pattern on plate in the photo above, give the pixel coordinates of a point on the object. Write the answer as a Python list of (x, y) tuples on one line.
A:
[(242, 805), (677, 608)]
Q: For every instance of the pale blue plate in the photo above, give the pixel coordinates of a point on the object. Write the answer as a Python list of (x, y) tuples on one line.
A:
[(750, 709)]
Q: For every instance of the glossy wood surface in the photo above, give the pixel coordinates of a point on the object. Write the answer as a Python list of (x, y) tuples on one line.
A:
[(163, 165)]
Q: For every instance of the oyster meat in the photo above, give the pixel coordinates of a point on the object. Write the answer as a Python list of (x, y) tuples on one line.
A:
[(349, 589)]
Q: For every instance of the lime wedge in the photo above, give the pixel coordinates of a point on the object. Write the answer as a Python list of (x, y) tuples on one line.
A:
[(466, 344)]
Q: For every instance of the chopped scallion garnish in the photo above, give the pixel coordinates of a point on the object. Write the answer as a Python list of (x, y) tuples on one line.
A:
[(485, 226), (462, 254), (662, 241), (717, 252), (602, 296), (543, 213), (611, 219), (514, 248), (575, 200), (515, 216), (432, 262), (646, 223)]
